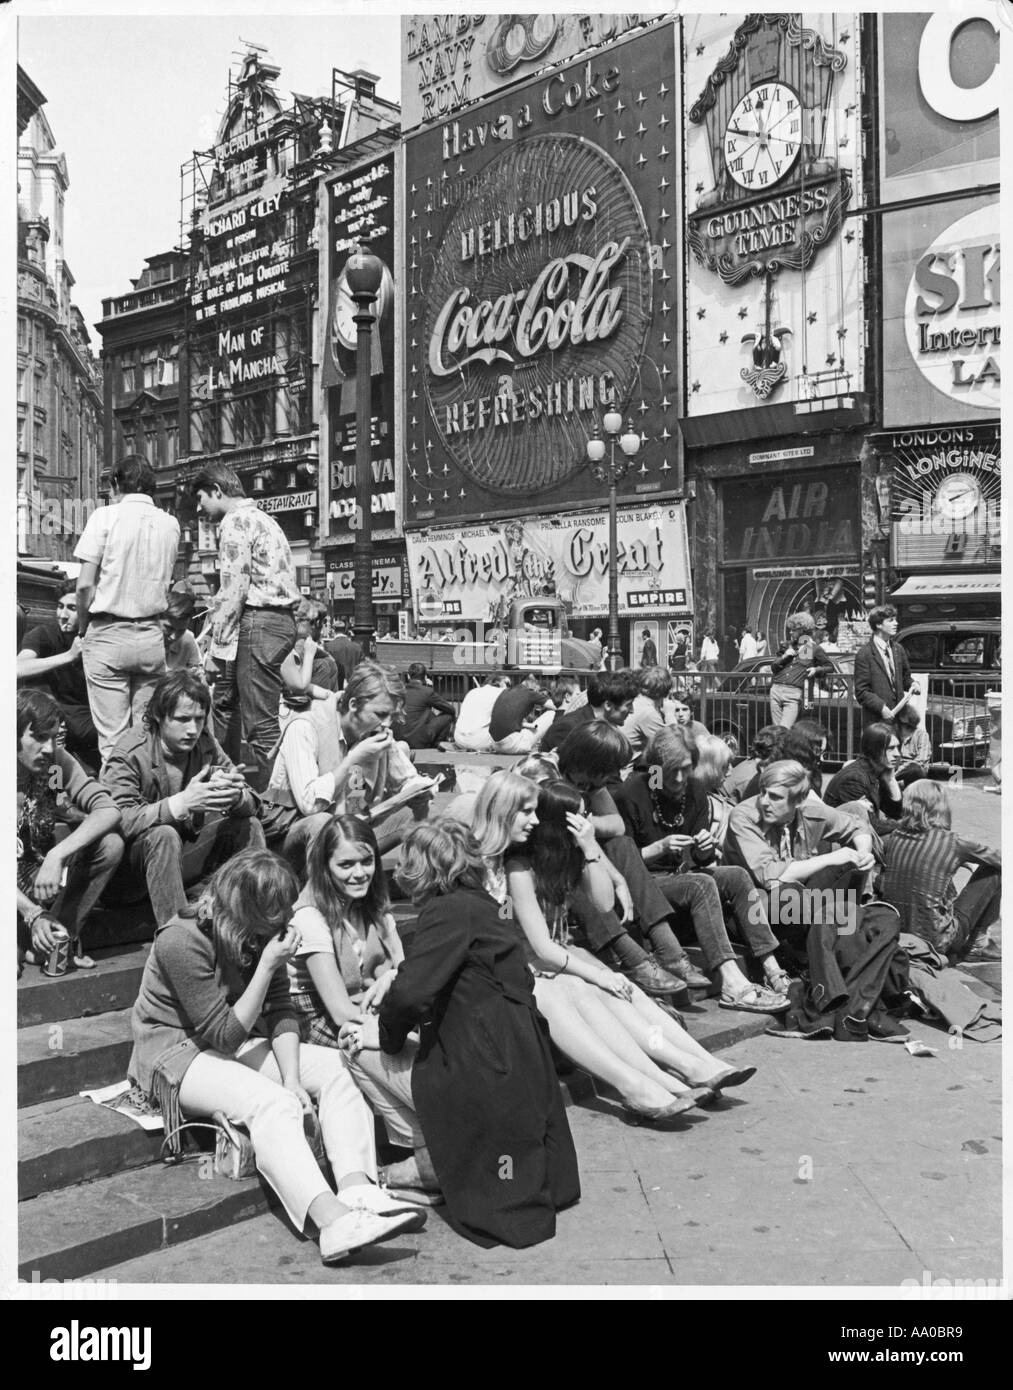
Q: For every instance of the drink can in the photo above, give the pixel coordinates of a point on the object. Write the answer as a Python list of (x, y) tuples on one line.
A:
[(59, 956)]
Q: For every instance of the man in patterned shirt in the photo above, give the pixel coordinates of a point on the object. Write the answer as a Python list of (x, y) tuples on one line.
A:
[(252, 617)]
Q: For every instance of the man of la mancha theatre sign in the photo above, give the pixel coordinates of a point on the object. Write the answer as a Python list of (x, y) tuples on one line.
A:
[(779, 193)]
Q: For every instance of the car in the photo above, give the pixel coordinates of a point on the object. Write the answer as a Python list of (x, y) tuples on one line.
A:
[(958, 722)]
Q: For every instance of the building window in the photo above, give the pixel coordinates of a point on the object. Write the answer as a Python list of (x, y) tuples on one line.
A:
[(24, 334), (171, 446), (127, 380)]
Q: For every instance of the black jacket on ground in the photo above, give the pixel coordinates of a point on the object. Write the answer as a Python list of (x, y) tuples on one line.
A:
[(483, 1082)]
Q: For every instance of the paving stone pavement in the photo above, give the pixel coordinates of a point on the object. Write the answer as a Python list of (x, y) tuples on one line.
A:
[(836, 1165)]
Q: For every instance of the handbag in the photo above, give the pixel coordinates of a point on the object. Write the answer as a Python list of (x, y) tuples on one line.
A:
[(234, 1155)]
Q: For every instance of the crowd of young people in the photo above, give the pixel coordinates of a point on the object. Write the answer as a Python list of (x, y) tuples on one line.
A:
[(553, 908)]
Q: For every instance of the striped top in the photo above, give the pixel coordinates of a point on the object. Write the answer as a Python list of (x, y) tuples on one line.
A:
[(918, 879)]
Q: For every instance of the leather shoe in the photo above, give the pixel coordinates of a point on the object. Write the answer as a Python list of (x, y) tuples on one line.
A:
[(686, 971), (653, 979)]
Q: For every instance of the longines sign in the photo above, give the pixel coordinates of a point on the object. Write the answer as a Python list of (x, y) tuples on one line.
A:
[(538, 285)]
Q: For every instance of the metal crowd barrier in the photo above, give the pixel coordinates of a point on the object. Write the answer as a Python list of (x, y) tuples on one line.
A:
[(737, 703)]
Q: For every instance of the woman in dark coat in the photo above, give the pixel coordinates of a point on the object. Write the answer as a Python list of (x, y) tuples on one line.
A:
[(483, 1082)]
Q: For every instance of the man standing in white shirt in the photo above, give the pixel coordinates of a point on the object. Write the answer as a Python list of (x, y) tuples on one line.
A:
[(127, 552)]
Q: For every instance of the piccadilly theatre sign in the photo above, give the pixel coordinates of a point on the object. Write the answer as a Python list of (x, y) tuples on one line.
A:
[(541, 287)]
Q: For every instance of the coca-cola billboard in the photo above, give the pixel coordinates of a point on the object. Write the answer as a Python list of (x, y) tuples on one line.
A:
[(542, 273)]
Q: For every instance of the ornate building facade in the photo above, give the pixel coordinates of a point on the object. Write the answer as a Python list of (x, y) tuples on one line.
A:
[(59, 397)]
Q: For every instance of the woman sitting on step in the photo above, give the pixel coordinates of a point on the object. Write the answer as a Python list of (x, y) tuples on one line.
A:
[(215, 1030), (482, 1074), (538, 848), (346, 961)]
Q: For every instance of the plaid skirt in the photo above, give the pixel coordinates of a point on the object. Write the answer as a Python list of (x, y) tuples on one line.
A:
[(315, 1023)]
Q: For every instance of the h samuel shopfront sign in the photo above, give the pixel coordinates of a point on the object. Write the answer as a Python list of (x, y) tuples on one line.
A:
[(539, 286)]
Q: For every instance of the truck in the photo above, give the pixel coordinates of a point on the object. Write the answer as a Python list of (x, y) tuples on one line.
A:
[(535, 636)]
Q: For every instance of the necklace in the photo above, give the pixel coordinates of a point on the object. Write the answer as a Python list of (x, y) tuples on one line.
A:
[(667, 821)]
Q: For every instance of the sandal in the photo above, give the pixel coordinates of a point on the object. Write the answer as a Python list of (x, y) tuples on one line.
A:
[(755, 1000), (778, 981), (78, 959)]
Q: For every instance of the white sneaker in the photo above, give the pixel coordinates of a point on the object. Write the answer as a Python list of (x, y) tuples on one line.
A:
[(369, 1197), (358, 1228)]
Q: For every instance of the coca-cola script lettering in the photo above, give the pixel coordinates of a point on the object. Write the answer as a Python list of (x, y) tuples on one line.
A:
[(543, 318)]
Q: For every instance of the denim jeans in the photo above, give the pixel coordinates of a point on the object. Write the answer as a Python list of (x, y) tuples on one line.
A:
[(161, 864), (266, 636), (785, 703), (122, 661), (88, 872)]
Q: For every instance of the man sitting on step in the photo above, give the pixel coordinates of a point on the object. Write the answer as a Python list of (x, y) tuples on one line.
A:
[(59, 881), (186, 807)]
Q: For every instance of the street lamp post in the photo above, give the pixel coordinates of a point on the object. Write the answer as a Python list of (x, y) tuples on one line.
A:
[(612, 473), (363, 275)]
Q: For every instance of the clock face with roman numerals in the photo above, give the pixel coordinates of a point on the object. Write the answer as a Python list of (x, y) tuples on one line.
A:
[(763, 136)]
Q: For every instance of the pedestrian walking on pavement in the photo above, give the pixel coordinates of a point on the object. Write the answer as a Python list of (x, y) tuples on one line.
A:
[(253, 616), (127, 553)]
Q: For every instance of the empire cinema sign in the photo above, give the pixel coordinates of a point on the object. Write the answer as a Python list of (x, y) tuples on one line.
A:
[(532, 275)]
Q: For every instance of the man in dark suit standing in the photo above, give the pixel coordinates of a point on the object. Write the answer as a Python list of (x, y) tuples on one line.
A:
[(882, 670), (346, 652)]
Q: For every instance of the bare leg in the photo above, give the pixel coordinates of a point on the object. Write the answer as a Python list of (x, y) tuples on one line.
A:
[(660, 1036), (578, 1037)]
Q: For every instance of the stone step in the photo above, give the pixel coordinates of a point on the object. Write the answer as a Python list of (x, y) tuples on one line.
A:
[(113, 984), (71, 1232), (62, 1058), (119, 926), (71, 1140), (74, 1232)]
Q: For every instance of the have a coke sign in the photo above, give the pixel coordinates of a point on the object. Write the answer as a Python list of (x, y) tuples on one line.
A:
[(534, 275)]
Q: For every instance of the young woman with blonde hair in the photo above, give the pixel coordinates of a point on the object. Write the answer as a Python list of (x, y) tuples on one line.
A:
[(482, 1075), (596, 1017)]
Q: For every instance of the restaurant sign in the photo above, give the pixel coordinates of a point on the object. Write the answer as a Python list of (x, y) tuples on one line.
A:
[(541, 286)]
